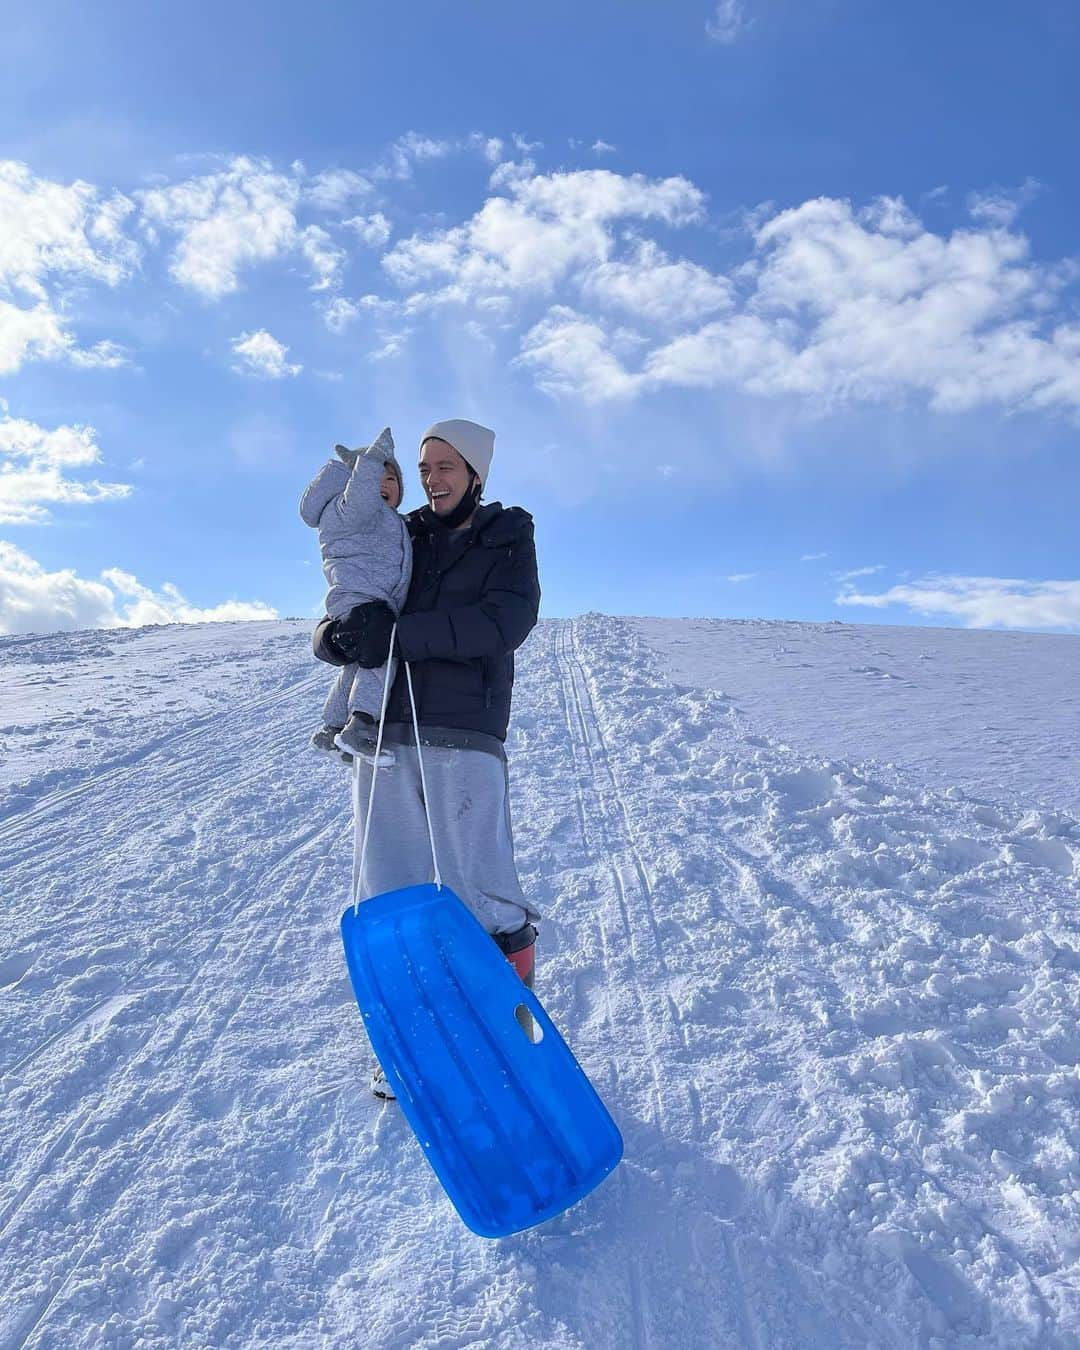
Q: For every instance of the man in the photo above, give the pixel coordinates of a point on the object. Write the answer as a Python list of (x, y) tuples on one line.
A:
[(473, 600)]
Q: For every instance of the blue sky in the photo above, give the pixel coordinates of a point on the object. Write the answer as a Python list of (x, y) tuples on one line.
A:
[(772, 305)]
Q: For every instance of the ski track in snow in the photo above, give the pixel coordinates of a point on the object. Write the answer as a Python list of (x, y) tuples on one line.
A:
[(835, 1016)]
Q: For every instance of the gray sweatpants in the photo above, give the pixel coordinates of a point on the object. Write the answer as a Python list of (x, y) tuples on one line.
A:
[(356, 689), (469, 797)]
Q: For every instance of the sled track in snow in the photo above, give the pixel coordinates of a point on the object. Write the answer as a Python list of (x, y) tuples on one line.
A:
[(129, 983), (578, 737), (67, 1141), (225, 919), (261, 952), (173, 778), (601, 799), (608, 836)]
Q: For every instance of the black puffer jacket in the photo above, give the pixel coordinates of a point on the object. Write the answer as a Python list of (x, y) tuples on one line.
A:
[(473, 601)]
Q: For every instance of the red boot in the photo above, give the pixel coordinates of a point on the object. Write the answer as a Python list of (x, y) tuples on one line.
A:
[(519, 948)]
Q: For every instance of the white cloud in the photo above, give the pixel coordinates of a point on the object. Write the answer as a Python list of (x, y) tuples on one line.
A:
[(339, 313), (39, 333), (603, 148), (728, 22), (842, 306), (49, 228), (858, 572), (984, 602), (1000, 207), (247, 213), (50, 235), (102, 356), (571, 355), (651, 286), (335, 188), (323, 256), (491, 147), (141, 605), (33, 600), (548, 226), (26, 334), (262, 354), (34, 468), (393, 345), (737, 577), (373, 230), (240, 216), (411, 148), (511, 171), (813, 557)]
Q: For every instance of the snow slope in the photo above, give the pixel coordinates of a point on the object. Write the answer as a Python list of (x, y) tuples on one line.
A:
[(834, 1013), (995, 713)]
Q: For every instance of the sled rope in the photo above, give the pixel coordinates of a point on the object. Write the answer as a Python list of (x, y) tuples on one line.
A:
[(423, 780), (358, 861)]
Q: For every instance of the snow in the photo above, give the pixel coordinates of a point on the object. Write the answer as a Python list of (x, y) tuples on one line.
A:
[(995, 713), (814, 935)]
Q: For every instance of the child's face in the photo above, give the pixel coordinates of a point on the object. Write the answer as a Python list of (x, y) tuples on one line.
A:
[(389, 489)]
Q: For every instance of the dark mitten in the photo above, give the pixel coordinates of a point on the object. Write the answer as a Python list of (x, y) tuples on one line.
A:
[(363, 635), (322, 644)]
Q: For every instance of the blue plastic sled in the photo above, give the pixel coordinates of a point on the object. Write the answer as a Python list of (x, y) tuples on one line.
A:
[(513, 1129)]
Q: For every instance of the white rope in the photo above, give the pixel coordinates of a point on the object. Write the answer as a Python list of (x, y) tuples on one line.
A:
[(358, 861), (358, 865), (423, 781)]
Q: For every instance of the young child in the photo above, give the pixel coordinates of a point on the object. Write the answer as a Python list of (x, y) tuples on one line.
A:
[(367, 555)]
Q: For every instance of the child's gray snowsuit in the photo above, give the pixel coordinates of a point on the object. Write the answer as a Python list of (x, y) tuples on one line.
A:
[(366, 553)]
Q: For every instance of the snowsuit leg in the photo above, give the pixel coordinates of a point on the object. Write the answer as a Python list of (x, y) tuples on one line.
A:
[(470, 816), (336, 708), (366, 690)]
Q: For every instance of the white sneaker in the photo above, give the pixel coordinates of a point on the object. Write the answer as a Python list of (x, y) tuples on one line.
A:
[(380, 1087)]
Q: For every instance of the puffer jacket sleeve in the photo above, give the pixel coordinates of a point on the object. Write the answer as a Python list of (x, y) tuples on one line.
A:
[(495, 626), (321, 491), (359, 505)]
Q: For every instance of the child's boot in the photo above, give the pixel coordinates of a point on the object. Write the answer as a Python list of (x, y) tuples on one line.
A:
[(357, 737), (323, 741)]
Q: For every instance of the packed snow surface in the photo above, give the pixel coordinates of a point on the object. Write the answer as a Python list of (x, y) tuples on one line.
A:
[(819, 953)]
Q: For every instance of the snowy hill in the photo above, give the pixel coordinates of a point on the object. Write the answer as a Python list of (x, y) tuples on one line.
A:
[(813, 927)]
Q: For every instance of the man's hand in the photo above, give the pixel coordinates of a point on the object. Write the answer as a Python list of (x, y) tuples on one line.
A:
[(363, 635)]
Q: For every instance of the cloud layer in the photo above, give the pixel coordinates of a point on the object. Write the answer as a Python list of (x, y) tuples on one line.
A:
[(983, 602), (35, 467), (54, 236), (841, 305), (33, 600), (580, 272)]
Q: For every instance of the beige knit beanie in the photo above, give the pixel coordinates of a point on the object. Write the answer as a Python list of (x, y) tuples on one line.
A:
[(474, 443)]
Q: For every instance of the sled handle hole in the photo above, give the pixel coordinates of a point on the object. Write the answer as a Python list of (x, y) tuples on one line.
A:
[(534, 1032)]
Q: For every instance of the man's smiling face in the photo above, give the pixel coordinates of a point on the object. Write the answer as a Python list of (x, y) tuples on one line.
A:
[(444, 475)]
